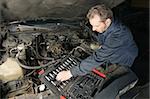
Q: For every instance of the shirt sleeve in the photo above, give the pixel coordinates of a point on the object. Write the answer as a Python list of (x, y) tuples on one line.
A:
[(107, 50)]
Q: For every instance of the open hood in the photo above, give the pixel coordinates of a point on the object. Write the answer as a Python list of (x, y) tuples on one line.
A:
[(14, 10)]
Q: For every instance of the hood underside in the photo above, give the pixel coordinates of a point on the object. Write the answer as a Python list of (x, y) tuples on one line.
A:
[(12, 10)]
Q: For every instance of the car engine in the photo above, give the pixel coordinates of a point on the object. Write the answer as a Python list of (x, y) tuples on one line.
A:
[(27, 50)]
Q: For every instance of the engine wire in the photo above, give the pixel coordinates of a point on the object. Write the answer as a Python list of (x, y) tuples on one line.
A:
[(37, 67)]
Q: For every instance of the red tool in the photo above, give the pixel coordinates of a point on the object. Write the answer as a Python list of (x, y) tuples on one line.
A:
[(99, 73), (62, 97)]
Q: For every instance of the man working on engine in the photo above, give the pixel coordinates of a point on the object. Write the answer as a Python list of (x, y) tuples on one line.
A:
[(117, 44)]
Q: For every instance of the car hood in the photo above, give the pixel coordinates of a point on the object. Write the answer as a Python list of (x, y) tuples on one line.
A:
[(14, 10)]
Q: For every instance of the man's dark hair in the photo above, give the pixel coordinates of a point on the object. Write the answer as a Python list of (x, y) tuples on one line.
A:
[(101, 10)]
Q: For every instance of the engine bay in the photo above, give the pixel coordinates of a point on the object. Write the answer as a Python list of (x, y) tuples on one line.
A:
[(31, 49)]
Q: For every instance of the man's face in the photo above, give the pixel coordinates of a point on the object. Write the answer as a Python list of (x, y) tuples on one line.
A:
[(97, 24)]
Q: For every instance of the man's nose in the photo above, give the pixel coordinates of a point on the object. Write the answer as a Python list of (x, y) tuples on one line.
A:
[(93, 28)]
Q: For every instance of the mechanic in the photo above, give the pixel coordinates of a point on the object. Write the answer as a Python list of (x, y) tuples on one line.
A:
[(117, 44)]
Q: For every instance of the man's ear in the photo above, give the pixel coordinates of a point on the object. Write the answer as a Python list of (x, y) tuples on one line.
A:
[(108, 21)]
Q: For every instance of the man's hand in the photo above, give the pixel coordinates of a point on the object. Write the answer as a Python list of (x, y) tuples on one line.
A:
[(64, 75)]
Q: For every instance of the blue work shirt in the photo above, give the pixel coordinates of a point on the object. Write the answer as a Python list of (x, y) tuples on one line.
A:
[(117, 47)]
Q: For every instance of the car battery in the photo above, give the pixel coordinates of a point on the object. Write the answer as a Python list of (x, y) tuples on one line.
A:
[(81, 87)]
